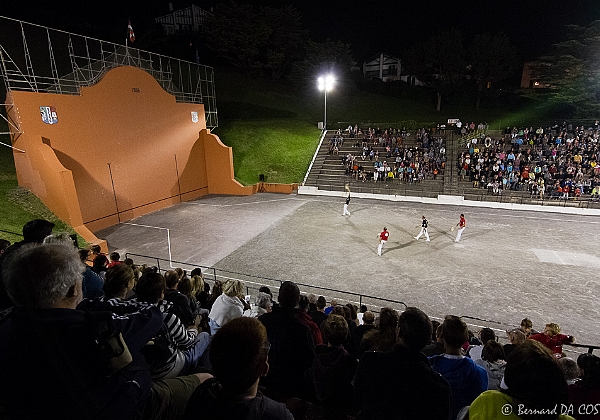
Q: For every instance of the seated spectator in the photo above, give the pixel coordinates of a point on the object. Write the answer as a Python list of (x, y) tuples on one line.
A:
[(493, 361), (227, 306), (329, 309), (384, 337), (312, 302), (262, 306), (361, 330), (175, 350), (436, 346), (570, 369), (304, 317), (99, 265), (292, 346), (216, 291), (586, 391), (361, 312), (185, 288), (515, 337), (527, 327), (55, 354), (92, 282), (318, 315), (181, 303), (552, 339), (485, 335), (532, 381), (115, 258), (34, 232), (334, 369), (400, 384), (239, 358), (466, 379)]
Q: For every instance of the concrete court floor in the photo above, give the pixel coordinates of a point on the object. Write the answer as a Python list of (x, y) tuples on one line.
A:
[(508, 265)]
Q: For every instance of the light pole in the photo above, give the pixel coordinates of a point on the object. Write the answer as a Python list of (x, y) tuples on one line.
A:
[(325, 84)]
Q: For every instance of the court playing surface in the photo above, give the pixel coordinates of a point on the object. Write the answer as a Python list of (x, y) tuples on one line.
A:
[(508, 265)]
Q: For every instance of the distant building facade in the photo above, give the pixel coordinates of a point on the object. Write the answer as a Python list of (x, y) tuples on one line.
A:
[(189, 20), (528, 78), (383, 66)]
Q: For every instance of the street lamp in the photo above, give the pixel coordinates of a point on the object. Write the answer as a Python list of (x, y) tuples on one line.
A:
[(325, 84)]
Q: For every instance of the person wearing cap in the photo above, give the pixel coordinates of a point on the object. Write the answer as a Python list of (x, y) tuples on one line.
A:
[(383, 236)]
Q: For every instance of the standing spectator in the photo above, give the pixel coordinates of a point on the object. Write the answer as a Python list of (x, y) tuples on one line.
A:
[(292, 346), (552, 339), (361, 330), (400, 384), (466, 379), (384, 337)]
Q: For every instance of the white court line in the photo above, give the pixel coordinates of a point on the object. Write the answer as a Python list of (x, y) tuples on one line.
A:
[(238, 204), (560, 259), (157, 227)]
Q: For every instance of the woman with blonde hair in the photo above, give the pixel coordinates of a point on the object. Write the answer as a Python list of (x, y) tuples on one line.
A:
[(227, 306)]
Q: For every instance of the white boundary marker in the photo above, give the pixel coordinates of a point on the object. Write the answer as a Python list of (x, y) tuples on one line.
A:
[(157, 227)]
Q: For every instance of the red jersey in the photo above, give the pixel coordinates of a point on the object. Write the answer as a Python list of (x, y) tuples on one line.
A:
[(462, 222), (384, 235)]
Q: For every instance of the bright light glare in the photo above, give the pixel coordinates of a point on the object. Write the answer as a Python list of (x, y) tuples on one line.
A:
[(326, 83)]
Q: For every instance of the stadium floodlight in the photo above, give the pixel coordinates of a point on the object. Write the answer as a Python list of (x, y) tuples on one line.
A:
[(325, 85)]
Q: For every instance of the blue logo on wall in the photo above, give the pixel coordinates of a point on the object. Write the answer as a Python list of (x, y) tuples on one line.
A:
[(49, 114)]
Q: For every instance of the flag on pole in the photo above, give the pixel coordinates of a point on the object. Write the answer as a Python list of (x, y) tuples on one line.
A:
[(130, 32)]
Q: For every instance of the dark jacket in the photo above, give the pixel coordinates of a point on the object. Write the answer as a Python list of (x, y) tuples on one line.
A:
[(181, 306), (399, 385), (51, 355), (333, 371), (291, 354)]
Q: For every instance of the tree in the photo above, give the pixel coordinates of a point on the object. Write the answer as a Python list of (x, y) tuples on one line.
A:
[(572, 71), (236, 32), (439, 62), (492, 60), (285, 42), (323, 58)]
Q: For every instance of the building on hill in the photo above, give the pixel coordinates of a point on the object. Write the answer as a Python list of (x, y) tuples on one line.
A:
[(387, 67), (189, 20)]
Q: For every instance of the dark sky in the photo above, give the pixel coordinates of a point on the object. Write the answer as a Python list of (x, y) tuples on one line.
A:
[(369, 26)]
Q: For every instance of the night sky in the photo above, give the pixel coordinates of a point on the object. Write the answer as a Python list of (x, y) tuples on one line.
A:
[(370, 27)]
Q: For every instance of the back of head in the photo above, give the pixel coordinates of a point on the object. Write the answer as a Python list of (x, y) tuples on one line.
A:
[(39, 276), (492, 351), (263, 300), (238, 352), (233, 288), (36, 230), (517, 336), (312, 298), (265, 289), (117, 280), (196, 272), (289, 295), (414, 329), (334, 329), (150, 287), (321, 302), (569, 368), (60, 238), (185, 286), (197, 284), (369, 318), (114, 256), (353, 312), (454, 331), (303, 303), (534, 378), (171, 279), (388, 319), (95, 249), (590, 365), (487, 334)]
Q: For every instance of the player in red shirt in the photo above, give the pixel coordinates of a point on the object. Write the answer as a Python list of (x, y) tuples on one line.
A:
[(462, 223), (383, 236)]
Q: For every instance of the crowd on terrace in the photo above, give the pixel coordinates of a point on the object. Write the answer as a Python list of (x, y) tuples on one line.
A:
[(553, 162), (383, 155), (169, 346)]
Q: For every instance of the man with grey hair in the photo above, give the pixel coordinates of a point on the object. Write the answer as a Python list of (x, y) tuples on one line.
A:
[(75, 364)]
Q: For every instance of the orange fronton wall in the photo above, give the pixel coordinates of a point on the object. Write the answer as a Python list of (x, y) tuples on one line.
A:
[(122, 148)]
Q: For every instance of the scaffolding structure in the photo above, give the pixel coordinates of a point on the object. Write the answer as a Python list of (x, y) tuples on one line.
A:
[(40, 59)]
